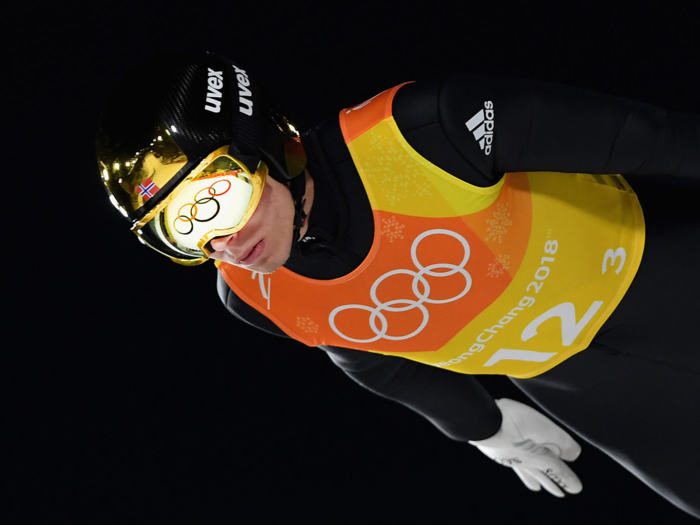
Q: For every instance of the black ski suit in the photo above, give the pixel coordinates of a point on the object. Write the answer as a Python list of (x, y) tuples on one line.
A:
[(634, 392)]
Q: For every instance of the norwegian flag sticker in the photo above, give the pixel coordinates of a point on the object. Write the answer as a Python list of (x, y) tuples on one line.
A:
[(148, 189)]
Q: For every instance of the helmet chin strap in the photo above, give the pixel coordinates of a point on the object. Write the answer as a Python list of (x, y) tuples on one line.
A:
[(298, 187)]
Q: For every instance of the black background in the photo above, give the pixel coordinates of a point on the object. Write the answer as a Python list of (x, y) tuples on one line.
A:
[(132, 396)]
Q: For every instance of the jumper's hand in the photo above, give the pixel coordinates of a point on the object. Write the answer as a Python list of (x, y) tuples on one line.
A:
[(534, 447)]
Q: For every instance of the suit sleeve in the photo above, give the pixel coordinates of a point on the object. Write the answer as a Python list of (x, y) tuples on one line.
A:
[(456, 404), (478, 128)]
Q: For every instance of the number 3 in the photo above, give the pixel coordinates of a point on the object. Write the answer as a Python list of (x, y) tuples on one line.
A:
[(612, 256)]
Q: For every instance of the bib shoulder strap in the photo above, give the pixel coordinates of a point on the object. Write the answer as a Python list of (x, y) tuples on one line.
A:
[(355, 121)]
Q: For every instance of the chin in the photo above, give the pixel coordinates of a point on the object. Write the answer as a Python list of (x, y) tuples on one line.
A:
[(266, 267)]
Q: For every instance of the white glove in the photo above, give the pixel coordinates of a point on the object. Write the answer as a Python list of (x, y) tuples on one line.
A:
[(533, 446)]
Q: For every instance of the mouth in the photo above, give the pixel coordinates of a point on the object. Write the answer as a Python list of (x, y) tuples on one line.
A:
[(253, 254)]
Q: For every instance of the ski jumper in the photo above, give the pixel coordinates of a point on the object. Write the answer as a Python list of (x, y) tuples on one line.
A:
[(641, 372)]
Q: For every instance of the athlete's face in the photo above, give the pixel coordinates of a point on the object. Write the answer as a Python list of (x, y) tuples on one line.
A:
[(265, 242)]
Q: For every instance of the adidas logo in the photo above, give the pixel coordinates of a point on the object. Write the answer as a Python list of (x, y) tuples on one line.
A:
[(481, 125)]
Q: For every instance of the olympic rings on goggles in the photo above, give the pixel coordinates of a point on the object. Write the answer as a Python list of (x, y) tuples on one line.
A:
[(216, 199)]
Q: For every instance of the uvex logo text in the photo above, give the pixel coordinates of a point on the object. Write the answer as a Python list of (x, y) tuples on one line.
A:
[(216, 82), (244, 94)]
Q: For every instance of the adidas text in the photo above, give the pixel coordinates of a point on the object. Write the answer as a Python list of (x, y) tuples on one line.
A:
[(482, 126), (246, 104), (216, 82)]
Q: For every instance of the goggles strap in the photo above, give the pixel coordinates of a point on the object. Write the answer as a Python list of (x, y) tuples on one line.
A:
[(276, 170), (298, 188)]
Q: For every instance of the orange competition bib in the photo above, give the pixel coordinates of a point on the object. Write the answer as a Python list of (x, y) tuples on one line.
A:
[(512, 279)]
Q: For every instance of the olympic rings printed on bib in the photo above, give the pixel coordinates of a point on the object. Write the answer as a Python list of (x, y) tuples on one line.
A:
[(403, 305), (218, 188)]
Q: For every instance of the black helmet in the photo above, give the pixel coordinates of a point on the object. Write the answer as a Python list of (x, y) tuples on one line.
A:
[(192, 117)]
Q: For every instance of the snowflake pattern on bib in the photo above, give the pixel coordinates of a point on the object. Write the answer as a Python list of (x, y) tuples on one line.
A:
[(307, 325), (499, 266), (498, 225), (391, 228)]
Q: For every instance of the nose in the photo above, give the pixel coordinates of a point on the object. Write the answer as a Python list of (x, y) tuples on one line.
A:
[(219, 244)]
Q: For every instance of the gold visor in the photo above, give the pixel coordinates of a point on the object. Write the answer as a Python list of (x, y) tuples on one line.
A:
[(216, 199)]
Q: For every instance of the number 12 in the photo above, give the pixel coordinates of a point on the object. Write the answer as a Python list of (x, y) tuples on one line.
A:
[(570, 329)]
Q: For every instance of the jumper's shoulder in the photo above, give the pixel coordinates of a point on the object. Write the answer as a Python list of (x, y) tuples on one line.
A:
[(450, 122)]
